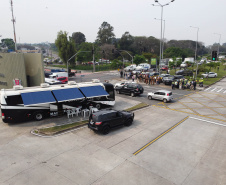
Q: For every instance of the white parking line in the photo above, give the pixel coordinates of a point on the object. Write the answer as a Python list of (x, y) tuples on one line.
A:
[(220, 90), (209, 121), (224, 92)]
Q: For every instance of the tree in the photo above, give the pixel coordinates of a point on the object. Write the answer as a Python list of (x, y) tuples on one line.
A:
[(126, 41), (105, 34), (211, 64), (87, 54), (106, 51), (78, 38), (66, 47), (139, 59), (8, 43)]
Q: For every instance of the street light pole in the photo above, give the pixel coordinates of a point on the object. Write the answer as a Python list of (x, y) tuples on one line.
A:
[(196, 50), (218, 52), (156, 1), (71, 58), (163, 37), (128, 54)]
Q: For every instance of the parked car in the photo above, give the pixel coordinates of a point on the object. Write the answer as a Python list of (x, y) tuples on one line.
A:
[(154, 73), (52, 81), (184, 64), (143, 66), (165, 96), (105, 120), (168, 80), (162, 77), (131, 89), (185, 72), (130, 68), (136, 72), (164, 68), (120, 84), (209, 75), (63, 79)]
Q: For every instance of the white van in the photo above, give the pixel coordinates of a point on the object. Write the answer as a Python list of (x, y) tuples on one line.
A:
[(58, 74), (143, 66)]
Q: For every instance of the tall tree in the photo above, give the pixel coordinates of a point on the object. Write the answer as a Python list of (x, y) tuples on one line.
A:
[(105, 34), (8, 43), (78, 38), (66, 47), (85, 54), (126, 41)]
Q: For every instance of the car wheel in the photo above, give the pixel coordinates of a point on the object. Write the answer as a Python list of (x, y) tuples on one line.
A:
[(106, 130), (150, 97), (215, 76), (164, 100), (98, 106), (128, 122), (118, 92), (132, 94), (38, 116)]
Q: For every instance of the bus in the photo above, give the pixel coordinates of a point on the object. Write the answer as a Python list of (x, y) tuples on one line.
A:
[(20, 103)]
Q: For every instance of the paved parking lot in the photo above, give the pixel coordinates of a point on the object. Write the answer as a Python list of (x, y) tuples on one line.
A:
[(185, 144)]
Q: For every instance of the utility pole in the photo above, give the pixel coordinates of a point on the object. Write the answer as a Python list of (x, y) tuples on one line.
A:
[(93, 59), (13, 20)]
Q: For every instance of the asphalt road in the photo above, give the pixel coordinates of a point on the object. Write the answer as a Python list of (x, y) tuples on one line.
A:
[(114, 77)]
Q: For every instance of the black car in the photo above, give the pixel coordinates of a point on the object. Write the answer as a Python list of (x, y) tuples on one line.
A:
[(104, 120), (168, 80), (131, 89), (184, 72)]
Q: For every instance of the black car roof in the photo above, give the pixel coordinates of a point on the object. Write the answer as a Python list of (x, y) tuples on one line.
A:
[(105, 111)]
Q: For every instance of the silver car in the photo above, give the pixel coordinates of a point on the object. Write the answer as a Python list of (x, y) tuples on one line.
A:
[(164, 95)]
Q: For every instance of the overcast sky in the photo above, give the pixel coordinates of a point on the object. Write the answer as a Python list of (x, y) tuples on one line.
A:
[(40, 20)]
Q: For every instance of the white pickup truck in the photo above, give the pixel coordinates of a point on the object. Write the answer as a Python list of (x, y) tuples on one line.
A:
[(130, 68)]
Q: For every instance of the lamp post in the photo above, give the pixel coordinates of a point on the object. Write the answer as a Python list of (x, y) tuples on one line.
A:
[(218, 52), (71, 58), (196, 49), (156, 1), (163, 37), (128, 54)]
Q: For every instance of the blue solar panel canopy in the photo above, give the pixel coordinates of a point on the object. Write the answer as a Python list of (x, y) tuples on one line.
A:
[(67, 94), (32, 98), (93, 91)]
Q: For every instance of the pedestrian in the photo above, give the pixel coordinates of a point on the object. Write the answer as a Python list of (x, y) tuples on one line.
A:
[(194, 84), (183, 84), (121, 73), (173, 83), (201, 82), (180, 84), (133, 78)]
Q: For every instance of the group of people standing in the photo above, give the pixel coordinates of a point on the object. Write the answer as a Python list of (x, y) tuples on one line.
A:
[(186, 83)]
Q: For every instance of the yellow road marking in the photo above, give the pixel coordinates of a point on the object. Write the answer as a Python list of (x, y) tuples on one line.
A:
[(191, 113), (207, 106), (145, 146)]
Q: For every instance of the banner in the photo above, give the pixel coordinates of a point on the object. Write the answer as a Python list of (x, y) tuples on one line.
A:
[(153, 61)]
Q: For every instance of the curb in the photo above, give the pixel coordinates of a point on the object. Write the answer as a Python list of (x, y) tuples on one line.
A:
[(58, 133)]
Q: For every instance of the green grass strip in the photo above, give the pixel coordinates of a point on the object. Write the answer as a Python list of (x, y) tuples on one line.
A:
[(61, 128), (138, 106)]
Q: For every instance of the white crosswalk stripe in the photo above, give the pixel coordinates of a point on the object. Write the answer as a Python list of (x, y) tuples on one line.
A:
[(207, 89), (215, 89), (220, 90)]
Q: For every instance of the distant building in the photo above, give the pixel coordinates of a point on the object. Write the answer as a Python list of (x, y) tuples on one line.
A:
[(28, 68)]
